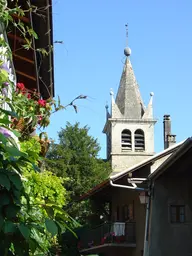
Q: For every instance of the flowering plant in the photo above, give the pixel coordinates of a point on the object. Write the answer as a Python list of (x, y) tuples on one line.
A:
[(32, 110), (112, 238)]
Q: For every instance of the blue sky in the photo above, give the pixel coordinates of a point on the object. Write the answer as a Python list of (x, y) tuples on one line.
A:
[(90, 60)]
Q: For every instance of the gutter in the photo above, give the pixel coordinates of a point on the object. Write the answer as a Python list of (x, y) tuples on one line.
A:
[(134, 186), (146, 235), (50, 39)]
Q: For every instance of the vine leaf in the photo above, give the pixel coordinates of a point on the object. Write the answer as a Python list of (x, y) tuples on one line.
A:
[(25, 231), (9, 113), (16, 180), (4, 181), (11, 211), (4, 198), (51, 227), (9, 227)]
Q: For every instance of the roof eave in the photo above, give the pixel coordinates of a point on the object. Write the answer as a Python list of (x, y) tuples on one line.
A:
[(173, 158), (45, 32), (95, 189)]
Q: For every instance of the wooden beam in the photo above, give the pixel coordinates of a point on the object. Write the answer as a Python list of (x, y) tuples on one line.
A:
[(23, 58), (26, 75), (23, 18), (21, 40)]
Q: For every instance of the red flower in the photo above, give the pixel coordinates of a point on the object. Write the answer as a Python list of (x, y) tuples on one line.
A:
[(103, 239), (24, 92), (29, 96), (42, 103), (40, 119), (20, 86)]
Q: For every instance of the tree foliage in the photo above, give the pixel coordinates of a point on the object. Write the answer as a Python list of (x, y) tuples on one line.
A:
[(31, 203), (43, 204), (76, 157)]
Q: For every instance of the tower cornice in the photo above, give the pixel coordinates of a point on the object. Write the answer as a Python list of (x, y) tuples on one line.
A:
[(133, 121)]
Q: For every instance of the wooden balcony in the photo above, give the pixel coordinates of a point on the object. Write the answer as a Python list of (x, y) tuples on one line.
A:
[(107, 235)]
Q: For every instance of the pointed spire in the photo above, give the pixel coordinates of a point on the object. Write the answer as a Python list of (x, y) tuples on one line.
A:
[(107, 111), (115, 113), (128, 98), (149, 110), (112, 96)]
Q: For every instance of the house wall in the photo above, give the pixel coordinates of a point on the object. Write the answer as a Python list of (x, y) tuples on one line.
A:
[(173, 188), (125, 197)]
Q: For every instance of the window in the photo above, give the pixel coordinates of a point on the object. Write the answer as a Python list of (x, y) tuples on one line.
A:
[(177, 213), (126, 144), (125, 213), (139, 140)]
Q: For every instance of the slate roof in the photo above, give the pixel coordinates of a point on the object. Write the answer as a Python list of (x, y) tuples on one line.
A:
[(128, 98)]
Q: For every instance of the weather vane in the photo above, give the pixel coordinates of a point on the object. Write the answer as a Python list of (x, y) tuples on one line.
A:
[(127, 50), (126, 25)]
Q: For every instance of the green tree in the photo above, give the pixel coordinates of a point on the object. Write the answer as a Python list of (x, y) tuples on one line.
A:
[(76, 157)]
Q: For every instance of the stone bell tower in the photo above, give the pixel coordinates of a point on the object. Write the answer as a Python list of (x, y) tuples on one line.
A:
[(129, 125)]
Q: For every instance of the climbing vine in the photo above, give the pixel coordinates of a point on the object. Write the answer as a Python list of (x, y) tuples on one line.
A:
[(8, 18), (31, 201)]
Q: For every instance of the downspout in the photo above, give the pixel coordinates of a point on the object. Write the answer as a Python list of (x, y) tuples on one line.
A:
[(146, 235)]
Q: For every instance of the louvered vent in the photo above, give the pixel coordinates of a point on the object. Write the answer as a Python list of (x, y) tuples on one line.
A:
[(139, 140), (126, 144)]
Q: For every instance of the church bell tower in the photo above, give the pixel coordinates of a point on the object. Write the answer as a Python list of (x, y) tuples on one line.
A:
[(129, 125)]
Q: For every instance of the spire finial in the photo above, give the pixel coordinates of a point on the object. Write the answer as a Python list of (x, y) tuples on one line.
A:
[(111, 92), (127, 50), (112, 96), (107, 106), (151, 98), (126, 26)]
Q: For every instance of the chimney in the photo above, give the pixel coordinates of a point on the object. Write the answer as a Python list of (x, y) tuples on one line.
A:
[(169, 139)]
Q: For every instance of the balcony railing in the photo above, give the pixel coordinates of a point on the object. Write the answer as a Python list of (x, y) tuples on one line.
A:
[(108, 233)]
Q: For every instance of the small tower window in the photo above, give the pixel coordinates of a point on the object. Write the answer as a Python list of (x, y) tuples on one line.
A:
[(139, 140), (126, 144)]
